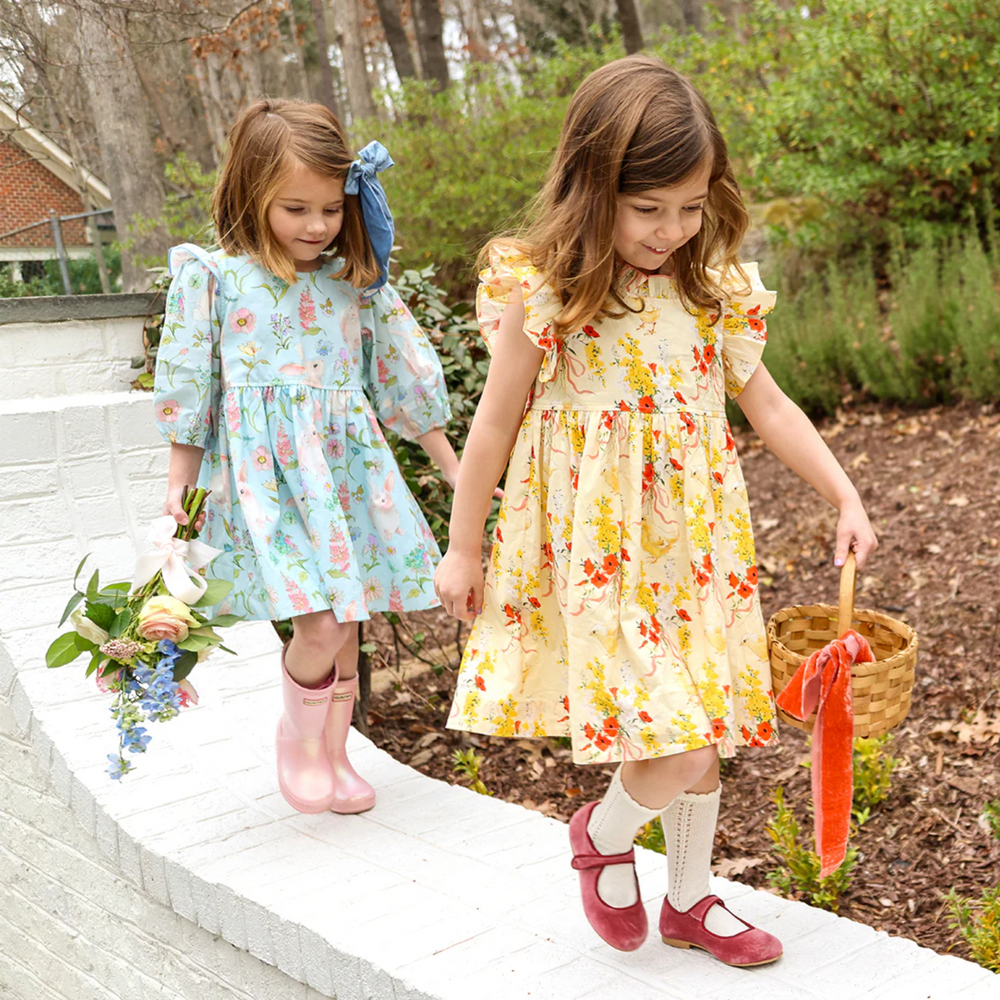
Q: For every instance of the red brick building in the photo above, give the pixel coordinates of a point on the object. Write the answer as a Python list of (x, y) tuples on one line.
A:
[(36, 176)]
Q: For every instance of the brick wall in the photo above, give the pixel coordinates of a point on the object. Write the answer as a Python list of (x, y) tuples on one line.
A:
[(27, 191)]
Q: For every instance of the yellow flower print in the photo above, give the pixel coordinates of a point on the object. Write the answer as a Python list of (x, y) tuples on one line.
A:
[(697, 526), (648, 736), (742, 537), (712, 696), (755, 698), (503, 725), (594, 362), (470, 708), (638, 377), (705, 323)]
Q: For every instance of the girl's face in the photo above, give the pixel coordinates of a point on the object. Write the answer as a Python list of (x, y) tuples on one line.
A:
[(652, 224), (306, 214)]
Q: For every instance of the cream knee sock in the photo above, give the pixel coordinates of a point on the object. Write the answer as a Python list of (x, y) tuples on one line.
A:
[(612, 827), (689, 831)]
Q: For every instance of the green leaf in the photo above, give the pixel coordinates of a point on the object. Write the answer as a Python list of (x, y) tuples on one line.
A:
[(95, 662), (207, 632), (94, 586), (100, 614), (216, 591), (368, 648), (70, 605), (224, 621), (226, 649), (78, 568), (120, 623), (146, 379), (195, 643), (66, 648), (184, 665)]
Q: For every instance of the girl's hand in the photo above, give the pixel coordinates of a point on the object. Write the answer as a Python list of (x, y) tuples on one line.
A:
[(176, 511), (854, 532), (458, 583)]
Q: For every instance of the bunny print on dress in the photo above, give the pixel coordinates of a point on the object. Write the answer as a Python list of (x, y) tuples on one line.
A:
[(385, 516)]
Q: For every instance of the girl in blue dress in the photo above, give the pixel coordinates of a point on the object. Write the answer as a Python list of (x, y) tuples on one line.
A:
[(280, 354)]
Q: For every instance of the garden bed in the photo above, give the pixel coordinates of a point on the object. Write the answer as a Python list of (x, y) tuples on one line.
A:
[(929, 480)]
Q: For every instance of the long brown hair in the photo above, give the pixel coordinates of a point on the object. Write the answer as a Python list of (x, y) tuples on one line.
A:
[(264, 142), (633, 125)]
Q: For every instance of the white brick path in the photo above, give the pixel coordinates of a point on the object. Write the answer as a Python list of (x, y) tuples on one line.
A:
[(436, 893)]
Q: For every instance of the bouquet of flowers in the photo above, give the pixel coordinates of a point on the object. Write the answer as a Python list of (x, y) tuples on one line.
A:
[(145, 638)]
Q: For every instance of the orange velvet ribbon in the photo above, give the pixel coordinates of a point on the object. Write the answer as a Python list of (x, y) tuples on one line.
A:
[(823, 683)]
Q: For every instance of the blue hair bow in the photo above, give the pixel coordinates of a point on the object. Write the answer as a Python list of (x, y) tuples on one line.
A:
[(362, 181)]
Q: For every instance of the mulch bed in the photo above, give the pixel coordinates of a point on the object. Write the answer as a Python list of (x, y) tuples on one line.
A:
[(931, 483)]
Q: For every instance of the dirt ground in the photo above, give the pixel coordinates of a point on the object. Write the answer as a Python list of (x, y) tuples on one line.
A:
[(931, 483)]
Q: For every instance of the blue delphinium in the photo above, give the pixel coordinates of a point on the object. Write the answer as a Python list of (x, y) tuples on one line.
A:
[(150, 690)]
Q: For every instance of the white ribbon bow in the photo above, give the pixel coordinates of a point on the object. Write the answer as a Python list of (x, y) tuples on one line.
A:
[(176, 559)]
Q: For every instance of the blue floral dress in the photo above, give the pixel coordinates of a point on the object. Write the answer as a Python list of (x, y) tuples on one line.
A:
[(283, 386)]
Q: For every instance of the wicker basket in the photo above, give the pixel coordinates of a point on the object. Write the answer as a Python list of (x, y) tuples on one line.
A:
[(881, 690)]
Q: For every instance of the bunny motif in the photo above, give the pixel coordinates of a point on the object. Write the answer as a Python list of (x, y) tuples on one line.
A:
[(309, 445), (385, 516), (310, 371), (218, 484), (253, 513)]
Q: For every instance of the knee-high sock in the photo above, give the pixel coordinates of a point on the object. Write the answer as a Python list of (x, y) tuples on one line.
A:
[(612, 827), (689, 831)]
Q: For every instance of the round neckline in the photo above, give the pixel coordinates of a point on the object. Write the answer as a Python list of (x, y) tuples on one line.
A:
[(634, 280)]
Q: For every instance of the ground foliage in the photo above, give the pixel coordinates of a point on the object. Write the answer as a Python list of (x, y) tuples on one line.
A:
[(928, 478)]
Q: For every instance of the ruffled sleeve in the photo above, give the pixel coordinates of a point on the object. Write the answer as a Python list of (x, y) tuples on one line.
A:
[(510, 276), (186, 389), (744, 331), (402, 371)]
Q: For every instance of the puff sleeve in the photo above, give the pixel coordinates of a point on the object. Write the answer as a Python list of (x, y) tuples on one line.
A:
[(744, 331), (512, 275), (401, 369), (186, 390)]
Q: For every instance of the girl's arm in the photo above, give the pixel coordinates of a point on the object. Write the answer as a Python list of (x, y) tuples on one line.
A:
[(441, 453), (458, 580), (789, 433)]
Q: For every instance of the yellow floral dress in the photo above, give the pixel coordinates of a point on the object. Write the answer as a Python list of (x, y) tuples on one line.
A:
[(621, 603)]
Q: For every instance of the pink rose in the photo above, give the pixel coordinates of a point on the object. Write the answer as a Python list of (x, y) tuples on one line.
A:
[(165, 618), (186, 692)]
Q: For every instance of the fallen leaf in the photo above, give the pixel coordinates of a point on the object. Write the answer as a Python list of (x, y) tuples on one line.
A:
[(957, 502), (728, 867), (861, 459)]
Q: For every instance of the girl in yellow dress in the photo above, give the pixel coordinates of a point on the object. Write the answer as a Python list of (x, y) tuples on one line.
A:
[(620, 607)]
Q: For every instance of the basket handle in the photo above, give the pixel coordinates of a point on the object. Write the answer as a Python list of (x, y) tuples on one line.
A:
[(848, 581)]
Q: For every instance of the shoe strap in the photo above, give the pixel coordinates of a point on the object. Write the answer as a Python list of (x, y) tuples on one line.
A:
[(700, 909), (583, 861)]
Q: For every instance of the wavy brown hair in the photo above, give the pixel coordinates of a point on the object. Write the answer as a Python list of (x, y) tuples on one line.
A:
[(633, 125), (264, 142)]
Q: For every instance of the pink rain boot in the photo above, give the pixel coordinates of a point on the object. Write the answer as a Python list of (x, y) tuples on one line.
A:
[(351, 793), (305, 774)]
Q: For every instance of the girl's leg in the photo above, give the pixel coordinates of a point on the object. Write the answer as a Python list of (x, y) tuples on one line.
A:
[(317, 639), (638, 792), (689, 832)]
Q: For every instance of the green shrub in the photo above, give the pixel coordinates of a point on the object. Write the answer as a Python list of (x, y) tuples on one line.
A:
[(978, 922), (84, 277), (468, 765), (873, 767), (798, 876)]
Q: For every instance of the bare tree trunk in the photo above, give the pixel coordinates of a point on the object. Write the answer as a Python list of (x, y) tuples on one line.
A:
[(300, 62), (693, 12), (395, 35), (124, 135), (213, 116), (475, 33), (352, 48), (327, 94), (430, 40), (628, 17)]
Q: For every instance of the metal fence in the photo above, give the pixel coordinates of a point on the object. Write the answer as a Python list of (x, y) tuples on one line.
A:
[(56, 221)]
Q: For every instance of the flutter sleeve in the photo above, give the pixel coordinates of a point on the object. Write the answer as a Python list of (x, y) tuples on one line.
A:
[(402, 371), (512, 277), (744, 330), (186, 389)]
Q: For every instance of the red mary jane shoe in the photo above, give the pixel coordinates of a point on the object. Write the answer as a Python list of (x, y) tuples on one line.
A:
[(687, 930), (623, 928)]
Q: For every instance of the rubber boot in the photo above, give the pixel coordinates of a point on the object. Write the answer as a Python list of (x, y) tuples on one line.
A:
[(305, 774), (352, 794)]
